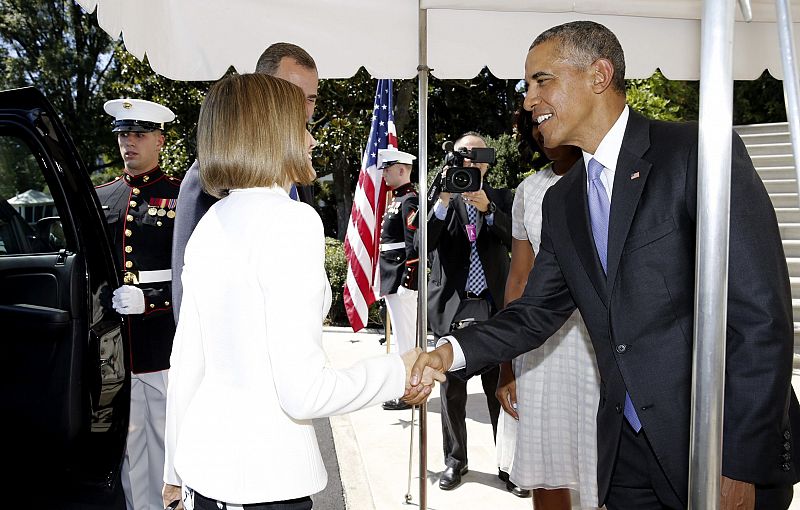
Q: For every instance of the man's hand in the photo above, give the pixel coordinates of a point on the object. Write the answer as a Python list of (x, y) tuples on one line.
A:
[(424, 386), (128, 300), (477, 199), (439, 360), (507, 389), (445, 196), (171, 493), (736, 495)]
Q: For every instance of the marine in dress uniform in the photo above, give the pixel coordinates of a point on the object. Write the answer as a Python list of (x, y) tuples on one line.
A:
[(140, 208), (399, 258)]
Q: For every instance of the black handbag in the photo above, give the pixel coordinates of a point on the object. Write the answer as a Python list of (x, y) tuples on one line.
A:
[(470, 311)]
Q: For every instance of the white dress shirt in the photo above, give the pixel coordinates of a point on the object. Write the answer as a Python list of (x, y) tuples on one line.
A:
[(248, 369), (607, 154)]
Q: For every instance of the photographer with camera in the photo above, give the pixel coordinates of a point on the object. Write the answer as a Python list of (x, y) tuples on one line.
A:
[(469, 237)]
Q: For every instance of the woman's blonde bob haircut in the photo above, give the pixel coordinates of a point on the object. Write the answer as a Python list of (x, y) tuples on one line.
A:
[(251, 133)]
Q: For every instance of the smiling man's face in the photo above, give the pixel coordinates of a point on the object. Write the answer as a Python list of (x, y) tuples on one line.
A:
[(559, 95)]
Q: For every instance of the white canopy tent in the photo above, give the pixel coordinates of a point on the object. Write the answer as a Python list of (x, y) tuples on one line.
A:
[(686, 39), (201, 39)]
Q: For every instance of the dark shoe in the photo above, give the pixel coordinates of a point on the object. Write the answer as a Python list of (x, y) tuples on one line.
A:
[(518, 492), (502, 475), (451, 478), (395, 405)]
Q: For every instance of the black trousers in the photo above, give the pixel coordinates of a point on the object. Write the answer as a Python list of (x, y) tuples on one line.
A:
[(454, 415), (203, 503), (639, 483)]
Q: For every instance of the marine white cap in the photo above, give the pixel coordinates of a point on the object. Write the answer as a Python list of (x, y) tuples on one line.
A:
[(137, 115), (388, 157)]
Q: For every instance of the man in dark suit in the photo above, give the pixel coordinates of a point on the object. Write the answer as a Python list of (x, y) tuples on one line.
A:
[(618, 243), (281, 60), (469, 237)]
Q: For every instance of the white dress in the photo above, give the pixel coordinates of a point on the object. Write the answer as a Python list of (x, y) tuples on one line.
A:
[(554, 444)]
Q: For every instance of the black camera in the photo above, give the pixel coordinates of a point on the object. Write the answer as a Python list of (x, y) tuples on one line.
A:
[(460, 179)]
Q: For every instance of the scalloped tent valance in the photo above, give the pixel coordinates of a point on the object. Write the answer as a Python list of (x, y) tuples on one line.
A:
[(201, 39)]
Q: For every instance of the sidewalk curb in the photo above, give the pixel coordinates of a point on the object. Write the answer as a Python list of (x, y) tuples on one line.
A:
[(355, 482)]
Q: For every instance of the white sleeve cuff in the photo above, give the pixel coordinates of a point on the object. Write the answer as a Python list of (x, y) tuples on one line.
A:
[(458, 355), (439, 210)]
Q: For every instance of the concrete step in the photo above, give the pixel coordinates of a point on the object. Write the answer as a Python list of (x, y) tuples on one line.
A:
[(784, 200), (771, 173), (791, 248), (789, 230), (771, 160), (758, 138), (788, 214), (770, 148), (749, 129), (794, 270), (781, 186)]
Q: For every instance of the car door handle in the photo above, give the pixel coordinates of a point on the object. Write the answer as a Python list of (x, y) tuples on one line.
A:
[(34, 313)]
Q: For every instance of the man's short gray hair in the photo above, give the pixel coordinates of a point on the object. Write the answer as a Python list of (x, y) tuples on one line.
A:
[(583, 42)]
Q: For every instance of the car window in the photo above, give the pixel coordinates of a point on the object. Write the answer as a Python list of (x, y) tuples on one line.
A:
[(29, 218)]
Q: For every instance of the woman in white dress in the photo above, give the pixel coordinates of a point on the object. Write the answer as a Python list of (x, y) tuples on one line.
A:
[(248, 370), (552, 391)]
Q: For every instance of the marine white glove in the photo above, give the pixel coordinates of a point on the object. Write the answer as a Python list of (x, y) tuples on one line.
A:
[(128, 300)]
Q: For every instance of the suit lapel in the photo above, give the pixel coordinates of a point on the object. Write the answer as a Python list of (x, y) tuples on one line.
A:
[(461, 212), (629, 181), (577, 213)]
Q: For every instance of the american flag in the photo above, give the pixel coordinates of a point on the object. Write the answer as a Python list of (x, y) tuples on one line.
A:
[(361, 245)]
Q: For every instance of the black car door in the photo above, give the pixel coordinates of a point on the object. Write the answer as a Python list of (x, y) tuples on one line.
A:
[(64, 381)]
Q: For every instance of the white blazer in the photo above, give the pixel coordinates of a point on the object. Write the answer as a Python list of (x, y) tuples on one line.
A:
[(248, 372)]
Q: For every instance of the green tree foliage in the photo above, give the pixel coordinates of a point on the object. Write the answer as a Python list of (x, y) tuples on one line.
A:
[(336, 267), (659, 98), (341, 127), (19, 170), (758, 101), (54, 46)]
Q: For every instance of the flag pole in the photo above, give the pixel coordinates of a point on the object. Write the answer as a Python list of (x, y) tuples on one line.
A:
[(422, 301), (388, 318)]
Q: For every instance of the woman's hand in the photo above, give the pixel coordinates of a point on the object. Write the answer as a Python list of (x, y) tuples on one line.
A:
[(507, 389), (170, 494)]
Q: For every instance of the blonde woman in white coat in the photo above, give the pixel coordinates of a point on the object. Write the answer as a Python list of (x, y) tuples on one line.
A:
[(248, 369)]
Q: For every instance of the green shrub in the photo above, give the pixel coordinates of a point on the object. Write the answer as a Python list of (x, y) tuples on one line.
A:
[(336, 267)]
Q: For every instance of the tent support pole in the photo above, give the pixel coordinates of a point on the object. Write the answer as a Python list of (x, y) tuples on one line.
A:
[(791, 82), (711, 272)]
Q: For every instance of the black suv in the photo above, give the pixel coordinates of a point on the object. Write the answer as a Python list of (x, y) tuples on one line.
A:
[(64, 377)]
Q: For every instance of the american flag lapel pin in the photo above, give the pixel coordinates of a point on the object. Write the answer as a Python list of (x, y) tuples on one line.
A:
[(634, 175)]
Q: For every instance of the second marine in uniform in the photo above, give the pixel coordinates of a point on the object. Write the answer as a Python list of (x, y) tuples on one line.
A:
[(399, 258)]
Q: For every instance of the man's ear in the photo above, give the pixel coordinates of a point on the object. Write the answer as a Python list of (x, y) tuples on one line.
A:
[(160, 141), (602, 75)]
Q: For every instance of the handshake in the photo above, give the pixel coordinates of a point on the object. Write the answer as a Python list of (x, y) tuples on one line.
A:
[(422, 369)]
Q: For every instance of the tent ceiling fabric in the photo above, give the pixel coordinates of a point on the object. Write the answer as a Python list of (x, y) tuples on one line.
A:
[(201, 39)]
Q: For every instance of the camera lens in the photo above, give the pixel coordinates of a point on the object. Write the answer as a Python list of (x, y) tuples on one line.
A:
[(462, 180)]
